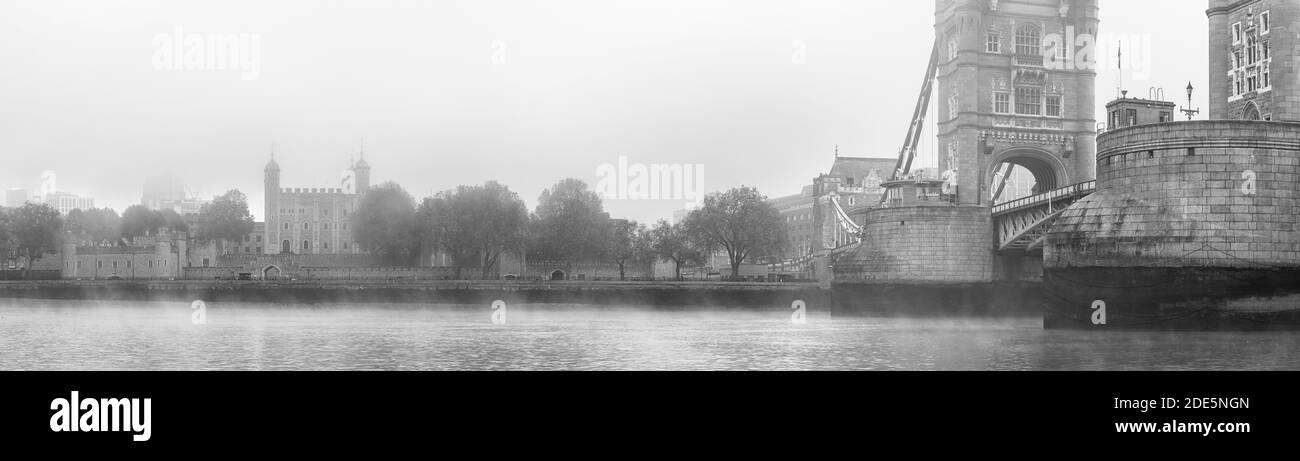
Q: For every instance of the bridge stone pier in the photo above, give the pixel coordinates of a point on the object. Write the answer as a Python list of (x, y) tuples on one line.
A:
[(1193, 224)]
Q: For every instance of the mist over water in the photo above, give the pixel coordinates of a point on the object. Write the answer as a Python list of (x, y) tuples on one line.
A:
[(84, 335)]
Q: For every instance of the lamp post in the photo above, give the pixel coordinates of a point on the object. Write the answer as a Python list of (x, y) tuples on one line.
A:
[(1188, 111)]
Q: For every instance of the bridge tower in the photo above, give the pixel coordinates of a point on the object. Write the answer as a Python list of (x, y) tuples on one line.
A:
[(1015, 84)]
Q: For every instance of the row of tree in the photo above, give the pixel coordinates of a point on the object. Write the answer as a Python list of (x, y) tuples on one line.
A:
[(29, 232), (475, 225), (226, 217)]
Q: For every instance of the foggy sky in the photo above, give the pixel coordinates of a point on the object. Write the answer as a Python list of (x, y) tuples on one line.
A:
[(526, 93)]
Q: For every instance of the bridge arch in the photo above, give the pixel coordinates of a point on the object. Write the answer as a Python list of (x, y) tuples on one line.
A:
[(1048, 170)]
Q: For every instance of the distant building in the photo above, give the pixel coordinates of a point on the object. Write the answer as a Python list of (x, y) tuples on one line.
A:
[(855, 182), (65, 202), (168, 193), (1245, 36), (313, 220), (17, 197)]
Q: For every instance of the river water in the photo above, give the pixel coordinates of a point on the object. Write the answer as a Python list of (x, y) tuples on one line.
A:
[(84, 335)]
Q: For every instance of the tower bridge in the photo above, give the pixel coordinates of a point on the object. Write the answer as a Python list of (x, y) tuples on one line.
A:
[(1006, 91), (1153, 223)]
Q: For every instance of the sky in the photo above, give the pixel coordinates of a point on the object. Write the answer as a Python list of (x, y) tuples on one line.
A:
[(442, 93)]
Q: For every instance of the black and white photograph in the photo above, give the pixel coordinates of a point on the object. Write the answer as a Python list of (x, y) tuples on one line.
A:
[(1009, 194)]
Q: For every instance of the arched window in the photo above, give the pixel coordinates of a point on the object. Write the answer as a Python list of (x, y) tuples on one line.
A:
[(306, 226), (325, 226), (306, 245), (286, 225), (1251, 113), (1029, 40)]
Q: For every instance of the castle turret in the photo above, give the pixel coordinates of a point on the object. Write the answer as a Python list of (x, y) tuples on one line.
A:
[(271, 203), (362, 169)]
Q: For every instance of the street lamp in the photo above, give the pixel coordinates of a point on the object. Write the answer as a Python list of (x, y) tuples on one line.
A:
[(1188, 110)]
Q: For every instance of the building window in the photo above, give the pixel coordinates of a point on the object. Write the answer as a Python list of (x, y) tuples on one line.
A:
[(1252, 50), (1266, 83), (325, 226), (993, 43), (1241, 84), (1029, 101), (1132, 116), (345, 246), (114, 265), (206, 262), (259, 239), (1053, 106), (1264, 23), (99, 264), (1002, 103), (1029, 41), (325, 245), (246, 250), (306, 226), (128, 264), (952, 50), (954, 106), (1166, 117), (306, 245), (259, 250), (286, 226), (1236, 33), (151, 264), (345, 226)]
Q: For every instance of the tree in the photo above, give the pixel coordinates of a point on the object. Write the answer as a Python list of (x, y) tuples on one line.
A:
[(570, 223), (174, 221), (33, 231), (739, 221), (385, 224), (99, 223), (139, 220), (6, 240), (226, 218), (628, 244), (475, 224), (671, 242)]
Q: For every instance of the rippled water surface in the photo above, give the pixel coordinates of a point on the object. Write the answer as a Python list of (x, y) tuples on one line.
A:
[(60, 335)]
